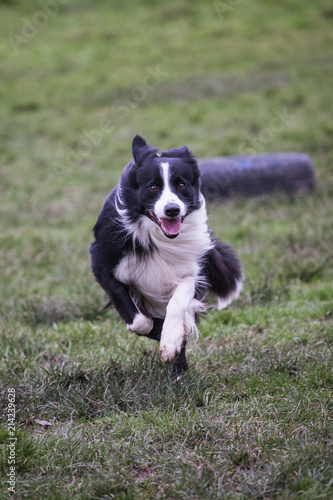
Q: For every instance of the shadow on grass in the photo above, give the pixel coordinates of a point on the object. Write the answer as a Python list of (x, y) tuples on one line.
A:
[(71, 390)]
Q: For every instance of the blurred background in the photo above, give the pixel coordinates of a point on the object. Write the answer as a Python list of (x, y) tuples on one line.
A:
[(80, 78)]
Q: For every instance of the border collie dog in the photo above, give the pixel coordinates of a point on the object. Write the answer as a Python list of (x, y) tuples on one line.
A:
[(153, 253)]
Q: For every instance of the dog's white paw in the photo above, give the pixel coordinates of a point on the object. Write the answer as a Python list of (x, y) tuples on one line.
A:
[(141, 325), (172, 339), (169, 351)]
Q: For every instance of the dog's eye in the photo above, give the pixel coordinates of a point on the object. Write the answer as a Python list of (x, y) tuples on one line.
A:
[(181, 186), (153, 188)]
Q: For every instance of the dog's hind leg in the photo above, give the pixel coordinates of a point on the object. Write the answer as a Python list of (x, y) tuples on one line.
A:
[(180, 364)]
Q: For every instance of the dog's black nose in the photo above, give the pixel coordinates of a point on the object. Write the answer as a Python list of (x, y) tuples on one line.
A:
[(172, 210)]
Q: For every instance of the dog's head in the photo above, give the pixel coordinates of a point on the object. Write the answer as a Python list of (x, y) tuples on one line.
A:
[(165, 188)]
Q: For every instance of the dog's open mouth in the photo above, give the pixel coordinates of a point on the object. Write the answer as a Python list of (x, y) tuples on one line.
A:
[(169, 227)]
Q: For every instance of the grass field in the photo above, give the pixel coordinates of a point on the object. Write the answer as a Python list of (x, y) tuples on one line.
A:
[(97, 413)]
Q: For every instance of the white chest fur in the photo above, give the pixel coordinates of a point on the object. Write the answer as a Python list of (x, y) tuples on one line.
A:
[(155, 275)]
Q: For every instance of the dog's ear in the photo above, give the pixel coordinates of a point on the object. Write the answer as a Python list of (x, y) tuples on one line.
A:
[(138, 143), (141, 149)]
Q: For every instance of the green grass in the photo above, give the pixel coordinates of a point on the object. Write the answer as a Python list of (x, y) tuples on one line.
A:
[(253, 416)]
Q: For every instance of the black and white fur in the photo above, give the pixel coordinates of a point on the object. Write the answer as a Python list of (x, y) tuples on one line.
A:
[(153, 253)]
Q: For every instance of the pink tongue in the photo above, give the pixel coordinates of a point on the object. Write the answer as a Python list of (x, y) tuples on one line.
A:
[(171, 226)]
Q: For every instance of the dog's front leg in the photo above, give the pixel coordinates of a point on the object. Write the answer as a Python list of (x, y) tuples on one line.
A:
[(179, 319), (136, 322)]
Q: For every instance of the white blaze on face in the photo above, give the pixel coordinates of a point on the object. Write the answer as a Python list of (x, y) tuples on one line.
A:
[(167, 196)]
